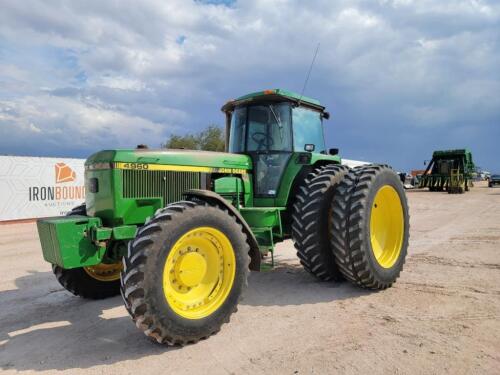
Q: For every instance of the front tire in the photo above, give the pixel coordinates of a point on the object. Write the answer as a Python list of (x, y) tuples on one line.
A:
[(94, 282), (185, 272), (370, 229)]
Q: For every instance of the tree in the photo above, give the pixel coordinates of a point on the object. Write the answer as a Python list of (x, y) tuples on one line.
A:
[(210, 139)]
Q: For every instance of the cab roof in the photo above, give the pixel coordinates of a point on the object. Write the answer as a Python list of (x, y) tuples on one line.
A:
[(273, 95)]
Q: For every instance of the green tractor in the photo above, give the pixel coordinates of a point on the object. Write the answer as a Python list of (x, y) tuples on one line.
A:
[(176, 231)]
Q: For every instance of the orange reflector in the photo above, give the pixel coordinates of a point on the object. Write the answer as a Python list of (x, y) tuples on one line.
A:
[(268, 92)]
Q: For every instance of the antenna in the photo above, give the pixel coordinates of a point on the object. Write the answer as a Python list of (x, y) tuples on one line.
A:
[(308, 73)]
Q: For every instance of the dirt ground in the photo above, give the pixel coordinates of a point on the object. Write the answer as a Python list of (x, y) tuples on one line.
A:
[(442, 316)]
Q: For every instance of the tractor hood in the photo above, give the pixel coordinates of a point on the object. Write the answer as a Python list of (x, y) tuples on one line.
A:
[(145, 158)]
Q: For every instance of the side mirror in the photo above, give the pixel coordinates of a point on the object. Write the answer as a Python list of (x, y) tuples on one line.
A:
[(425, 162), (333, 151), (309, 147), (326, 115)]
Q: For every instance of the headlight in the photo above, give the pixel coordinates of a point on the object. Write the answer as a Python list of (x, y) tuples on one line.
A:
[(95, 166)]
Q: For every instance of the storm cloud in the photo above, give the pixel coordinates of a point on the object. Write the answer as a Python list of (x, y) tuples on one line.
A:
[(400, 78)]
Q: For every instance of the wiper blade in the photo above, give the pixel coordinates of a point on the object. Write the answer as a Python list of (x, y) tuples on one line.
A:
[(278, 121)]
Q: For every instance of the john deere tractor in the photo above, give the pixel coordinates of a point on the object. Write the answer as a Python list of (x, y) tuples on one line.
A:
[(177, 231)]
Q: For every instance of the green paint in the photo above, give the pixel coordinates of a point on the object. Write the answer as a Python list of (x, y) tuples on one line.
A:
[(98, 233), (169, 157), (67, 243), (125, 232), (228, 185)]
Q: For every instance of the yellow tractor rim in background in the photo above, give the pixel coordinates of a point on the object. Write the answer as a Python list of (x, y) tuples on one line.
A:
[(386, 226), (104, 272), (199, 273)]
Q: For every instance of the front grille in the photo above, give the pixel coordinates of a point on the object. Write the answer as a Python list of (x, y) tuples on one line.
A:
[(168, 185)]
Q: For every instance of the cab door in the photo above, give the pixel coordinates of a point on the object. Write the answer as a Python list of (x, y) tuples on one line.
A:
[(269, 144)]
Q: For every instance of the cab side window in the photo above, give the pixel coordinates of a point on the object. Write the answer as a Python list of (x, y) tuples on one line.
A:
[(307, 129)]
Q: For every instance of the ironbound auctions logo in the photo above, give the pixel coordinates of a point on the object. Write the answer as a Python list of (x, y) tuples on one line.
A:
[(63, 174)]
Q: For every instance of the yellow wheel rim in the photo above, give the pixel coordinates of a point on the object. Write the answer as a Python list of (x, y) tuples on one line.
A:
[(386, 226), (104, 272), (199, 273)]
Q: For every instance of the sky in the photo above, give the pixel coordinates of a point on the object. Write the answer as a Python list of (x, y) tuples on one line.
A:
[(400, 78)]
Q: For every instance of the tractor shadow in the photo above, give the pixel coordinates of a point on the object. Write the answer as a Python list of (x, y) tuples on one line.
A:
[(289, 284), (43, 327)]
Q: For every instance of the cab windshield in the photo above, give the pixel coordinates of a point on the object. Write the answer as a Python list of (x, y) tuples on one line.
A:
[(261, 128)]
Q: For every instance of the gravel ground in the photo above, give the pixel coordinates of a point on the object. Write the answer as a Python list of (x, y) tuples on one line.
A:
[(442, 316)]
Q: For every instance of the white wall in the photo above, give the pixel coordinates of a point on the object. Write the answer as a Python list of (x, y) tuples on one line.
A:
[(353, 163), (30, 187)]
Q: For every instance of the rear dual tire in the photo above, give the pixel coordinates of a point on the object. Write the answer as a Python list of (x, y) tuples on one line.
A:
[(370, 230), (352, 224)]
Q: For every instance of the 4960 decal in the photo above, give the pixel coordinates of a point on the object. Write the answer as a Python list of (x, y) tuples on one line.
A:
[(178, 168), (138, 166)]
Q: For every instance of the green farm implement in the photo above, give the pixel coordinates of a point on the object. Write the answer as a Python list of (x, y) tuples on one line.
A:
[(176, 231), (449, 170)]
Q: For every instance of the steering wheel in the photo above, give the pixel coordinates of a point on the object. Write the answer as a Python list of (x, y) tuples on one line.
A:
[(263, 140)]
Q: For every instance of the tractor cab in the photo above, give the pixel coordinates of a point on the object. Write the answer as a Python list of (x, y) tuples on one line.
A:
[(271, 126)]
